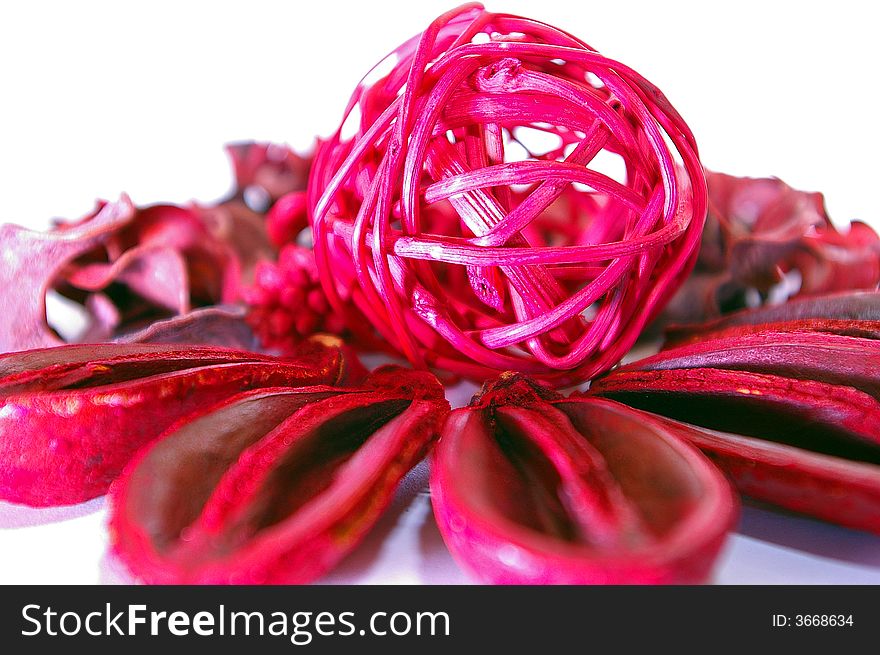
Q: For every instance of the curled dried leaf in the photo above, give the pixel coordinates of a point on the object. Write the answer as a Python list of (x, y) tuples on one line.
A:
[(162, 263), (264, 172), (764, 240), (223, 325), (31, 261)]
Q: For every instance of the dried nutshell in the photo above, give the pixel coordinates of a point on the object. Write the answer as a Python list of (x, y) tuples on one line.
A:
[(793, 418), (71, 417), (531, 488), (272, 486)]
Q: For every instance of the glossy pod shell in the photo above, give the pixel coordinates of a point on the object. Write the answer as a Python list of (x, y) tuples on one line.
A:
[(272, 486), (815, 391), (545, 490), (854, 314), (72, 417), (793, 418), (831, 488)]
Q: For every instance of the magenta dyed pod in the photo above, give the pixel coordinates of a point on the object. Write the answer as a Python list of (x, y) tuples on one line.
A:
[(531, 488), (803, 412), (853, 313), (272, 486), (71, 417), (793, 418), (824, 357), (829, 487)]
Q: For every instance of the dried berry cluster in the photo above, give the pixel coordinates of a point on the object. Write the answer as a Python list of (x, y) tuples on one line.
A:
[(287, 303)]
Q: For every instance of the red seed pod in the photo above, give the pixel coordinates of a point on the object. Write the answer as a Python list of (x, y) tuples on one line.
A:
[(443, 224), (854, 313), (71, 417), (834, 488), (809, 355), (792, 417), (789, 409), (531, 488), (272, 486)]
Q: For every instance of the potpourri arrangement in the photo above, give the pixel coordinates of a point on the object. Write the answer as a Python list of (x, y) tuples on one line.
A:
[(460, 223)]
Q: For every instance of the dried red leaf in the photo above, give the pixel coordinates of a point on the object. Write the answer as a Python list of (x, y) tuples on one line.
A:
[(31, 261), (835, 261), (758, 230), (71, 417), (224, 326), (243, 231), (130, 266), (264, 172), (529, 487), (763, 221), (272, 486), (156, 274), (161, 263)]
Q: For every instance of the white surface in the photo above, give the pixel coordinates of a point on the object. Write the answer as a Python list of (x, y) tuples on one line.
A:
[(99, 98)]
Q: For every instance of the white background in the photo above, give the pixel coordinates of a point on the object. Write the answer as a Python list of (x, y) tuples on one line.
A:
[(100, 98)]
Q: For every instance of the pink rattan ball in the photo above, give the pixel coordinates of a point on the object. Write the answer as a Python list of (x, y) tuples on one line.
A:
[(500, 196)]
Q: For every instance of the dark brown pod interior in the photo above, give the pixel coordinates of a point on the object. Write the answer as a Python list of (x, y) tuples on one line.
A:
[(172, 485), (751, 415)]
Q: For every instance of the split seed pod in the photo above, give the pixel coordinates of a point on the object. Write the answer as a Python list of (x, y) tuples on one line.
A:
[(71, 417), (530, 488), (794, 418), (854, 314), (272, 486)]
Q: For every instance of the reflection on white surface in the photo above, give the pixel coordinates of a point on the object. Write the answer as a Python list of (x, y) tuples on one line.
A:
[(59, 545), (844, 557), (152, 121), (69, 546)]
